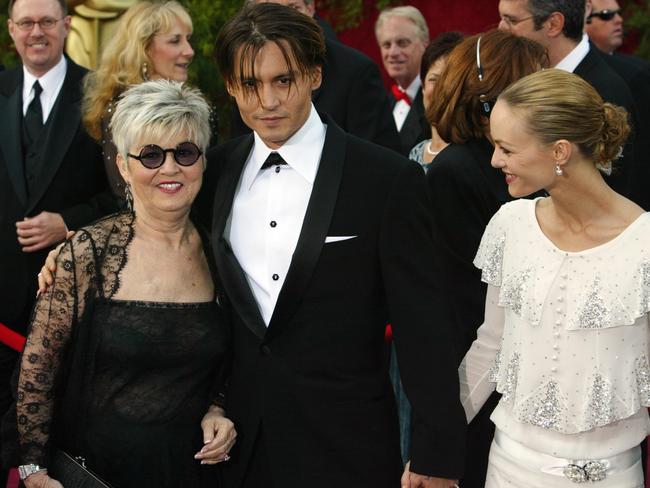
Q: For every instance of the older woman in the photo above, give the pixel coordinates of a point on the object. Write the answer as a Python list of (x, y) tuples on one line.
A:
[(123, 356), (466, 191), (567, 312), (152, 41), (434, 62)]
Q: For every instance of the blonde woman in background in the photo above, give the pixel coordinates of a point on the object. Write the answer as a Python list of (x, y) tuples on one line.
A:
[(152, 41), (565, 337)]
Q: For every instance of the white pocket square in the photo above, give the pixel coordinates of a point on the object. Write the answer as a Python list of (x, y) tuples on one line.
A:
[(338, 238)]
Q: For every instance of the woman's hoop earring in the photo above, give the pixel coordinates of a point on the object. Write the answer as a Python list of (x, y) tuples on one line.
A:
[(558, 170), (128, 196)]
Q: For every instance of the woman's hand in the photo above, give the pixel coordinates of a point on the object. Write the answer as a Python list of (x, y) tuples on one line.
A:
[(40, 479), (218, 436), (46, 276)]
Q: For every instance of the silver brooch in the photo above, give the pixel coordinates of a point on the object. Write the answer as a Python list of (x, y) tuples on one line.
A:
[(591, 471)]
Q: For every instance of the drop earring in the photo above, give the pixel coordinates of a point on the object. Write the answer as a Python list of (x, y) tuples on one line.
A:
[(145, 74), (558, 170), (128, 197)]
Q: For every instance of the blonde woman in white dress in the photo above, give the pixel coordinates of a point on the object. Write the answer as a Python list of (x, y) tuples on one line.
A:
[(565, 337)]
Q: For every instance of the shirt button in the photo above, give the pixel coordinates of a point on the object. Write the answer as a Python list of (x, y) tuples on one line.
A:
[(564, 276), (556, 335), (559, 299), (275, 277), (277, 169), (553, 369), (554, 358), (558, 310), (562, 286), (266, 350), (556, 347), (558, 322), (273, 223)]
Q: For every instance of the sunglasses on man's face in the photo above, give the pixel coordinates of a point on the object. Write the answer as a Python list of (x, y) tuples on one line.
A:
[(605, 14), (153, 156)]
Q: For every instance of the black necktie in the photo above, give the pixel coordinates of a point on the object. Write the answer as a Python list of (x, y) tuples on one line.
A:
[(274, 159), (34, 115)]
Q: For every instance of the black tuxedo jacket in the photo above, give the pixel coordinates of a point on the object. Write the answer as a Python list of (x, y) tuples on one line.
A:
[(613, 89), (415, 128), (352, 94), (316, 380), (636, 74), (70, 183)]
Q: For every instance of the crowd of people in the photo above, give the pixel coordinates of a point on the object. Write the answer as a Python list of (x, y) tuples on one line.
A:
[(447, 285)]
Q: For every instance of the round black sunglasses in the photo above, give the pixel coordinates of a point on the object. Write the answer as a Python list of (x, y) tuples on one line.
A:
[(153, 156)]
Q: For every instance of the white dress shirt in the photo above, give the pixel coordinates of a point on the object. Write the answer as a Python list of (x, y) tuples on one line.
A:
[(575, 57), (269, 208), (565, 338), (51, 82), (401, 108)]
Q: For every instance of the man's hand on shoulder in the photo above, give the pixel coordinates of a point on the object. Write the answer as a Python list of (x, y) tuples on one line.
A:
[(40, 232), (414, 480)]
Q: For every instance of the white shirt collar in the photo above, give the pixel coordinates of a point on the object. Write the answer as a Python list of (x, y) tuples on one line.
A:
[(302, 151), (575, 57), (51, 82), (412, 89)]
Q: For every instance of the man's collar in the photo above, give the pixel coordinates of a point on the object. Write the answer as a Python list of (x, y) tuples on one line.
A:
[(50, 80), (301, 151), (575, 57)]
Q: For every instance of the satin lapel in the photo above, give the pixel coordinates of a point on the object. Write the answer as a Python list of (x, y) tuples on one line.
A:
[(10, 137), (315, 226), (232, 275), (61, 129)]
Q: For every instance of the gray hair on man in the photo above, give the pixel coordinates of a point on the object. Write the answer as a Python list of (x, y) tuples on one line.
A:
[(157, 110), (409, 12)]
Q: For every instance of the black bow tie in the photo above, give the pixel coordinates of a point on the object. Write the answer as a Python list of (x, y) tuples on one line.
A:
[(274, 159)]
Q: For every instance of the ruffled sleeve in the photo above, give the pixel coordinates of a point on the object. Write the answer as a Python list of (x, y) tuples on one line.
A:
[(55, 314), (489, 258)]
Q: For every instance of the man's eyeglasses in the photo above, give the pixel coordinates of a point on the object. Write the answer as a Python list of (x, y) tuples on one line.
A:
[(510, 22), (605, 14), (45, 24), (152, 156)]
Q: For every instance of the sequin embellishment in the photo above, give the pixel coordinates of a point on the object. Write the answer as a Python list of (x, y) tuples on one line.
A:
[(545, 411), (492, 261), (642, 371), (594, 314), (513, 291), (600, 409), (512, 373)]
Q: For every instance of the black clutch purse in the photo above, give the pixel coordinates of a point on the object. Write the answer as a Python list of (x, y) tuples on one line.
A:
[(72, 472)]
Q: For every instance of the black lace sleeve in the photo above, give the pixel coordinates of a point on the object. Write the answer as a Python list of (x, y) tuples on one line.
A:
[(55, 315)]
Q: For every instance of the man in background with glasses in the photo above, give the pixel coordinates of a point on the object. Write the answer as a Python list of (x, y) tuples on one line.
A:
[(51, 172), (558, 26), (604, 25)]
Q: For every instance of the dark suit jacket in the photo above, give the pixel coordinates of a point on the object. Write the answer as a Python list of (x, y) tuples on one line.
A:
[(353, 94), (613, 89), (328, 32), (415, 128), (636, 74), (71, 179), (316, 379)]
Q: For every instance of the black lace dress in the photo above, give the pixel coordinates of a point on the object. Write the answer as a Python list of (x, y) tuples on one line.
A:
[(122, 383)]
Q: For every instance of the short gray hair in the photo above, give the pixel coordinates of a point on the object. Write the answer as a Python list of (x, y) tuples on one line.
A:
[(409, 12), (158, 109)]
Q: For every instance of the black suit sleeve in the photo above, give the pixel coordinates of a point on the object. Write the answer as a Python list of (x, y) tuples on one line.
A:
[(425, 350)]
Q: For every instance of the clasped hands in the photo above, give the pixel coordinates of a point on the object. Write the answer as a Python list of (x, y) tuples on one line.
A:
[(414, 480)]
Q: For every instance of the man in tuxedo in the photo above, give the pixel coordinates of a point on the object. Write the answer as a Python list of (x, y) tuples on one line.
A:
[(403, 35), (558, 26), (604, 25), (351, 91), (320, 239), (51, 172)]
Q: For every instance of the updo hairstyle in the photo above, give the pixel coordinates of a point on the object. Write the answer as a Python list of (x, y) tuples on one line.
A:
[(558, 105)]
